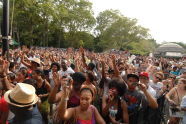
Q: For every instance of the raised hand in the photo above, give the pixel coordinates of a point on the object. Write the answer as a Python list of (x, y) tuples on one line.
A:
[(81, 50), (113, 57), (66, 87), (4, 64), (56, 79), (143, 87)]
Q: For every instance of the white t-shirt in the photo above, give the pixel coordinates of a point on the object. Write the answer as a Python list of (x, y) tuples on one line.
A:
[(51, 78), (183, 102), (156, 86), (67, 72), (183, 105), (151, 91)]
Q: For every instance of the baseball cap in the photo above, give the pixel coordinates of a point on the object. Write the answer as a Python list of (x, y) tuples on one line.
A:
[(145, 74), (133, 75)]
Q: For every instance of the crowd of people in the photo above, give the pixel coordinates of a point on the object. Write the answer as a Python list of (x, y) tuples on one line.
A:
[(77, 86)]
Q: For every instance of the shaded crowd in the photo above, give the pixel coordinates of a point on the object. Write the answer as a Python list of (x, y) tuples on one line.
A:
[(77, 86)]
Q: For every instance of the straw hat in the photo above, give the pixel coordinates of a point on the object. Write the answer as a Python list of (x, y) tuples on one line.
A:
[(36, 60), (22, 95)]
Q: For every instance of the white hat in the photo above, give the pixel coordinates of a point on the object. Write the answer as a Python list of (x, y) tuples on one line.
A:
[(36, 60), (22, 95)]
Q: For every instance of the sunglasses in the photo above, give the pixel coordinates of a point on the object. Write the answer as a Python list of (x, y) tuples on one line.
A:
[(158, 78), (173, 77)]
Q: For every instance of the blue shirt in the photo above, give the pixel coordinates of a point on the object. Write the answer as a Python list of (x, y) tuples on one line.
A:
[(27, 117), (177, 73)]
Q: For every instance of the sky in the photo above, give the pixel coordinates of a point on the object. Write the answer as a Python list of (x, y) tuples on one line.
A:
[(166, 19)]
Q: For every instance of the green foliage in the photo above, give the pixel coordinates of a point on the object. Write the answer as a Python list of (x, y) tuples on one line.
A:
[(119, 32), (69, 23)]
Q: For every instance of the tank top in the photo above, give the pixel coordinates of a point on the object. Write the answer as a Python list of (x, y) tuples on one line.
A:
[(92, 121), (42, 90), (73, 101)]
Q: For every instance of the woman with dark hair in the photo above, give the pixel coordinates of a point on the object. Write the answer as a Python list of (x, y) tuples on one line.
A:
[(21, 75), (114, 109), (42, 90), (55, 68), (90, 78), (12, 67), (85, 113)]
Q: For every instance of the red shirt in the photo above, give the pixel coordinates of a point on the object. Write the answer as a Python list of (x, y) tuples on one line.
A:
[(3, 107)]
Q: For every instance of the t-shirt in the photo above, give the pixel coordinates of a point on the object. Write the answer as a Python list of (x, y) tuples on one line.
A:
[(27, 117), (3, 107), (151, 91), (136, 102), (156, 86), (67, 72), (183, 102), (183, 105), (175, 73)]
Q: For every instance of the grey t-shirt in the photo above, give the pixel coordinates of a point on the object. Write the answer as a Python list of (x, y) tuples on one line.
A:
[(136, 102)]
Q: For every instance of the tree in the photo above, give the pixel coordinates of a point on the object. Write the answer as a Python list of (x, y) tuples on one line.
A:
[(79, 18), (64, 23), (117, 31)]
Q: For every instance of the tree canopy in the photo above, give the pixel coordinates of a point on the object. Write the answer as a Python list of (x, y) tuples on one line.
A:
[(72, 23)]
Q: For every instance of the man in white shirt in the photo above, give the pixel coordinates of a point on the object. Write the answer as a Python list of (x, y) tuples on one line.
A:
[(66, 71), (144, 78), (156, 83)]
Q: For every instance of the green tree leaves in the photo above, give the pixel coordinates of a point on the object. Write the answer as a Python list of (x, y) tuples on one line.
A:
[(71, 23), (119, 32)]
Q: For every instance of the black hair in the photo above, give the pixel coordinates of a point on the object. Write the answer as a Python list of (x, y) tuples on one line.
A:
[(23, 68), (119, 85), (72, 66), (11, 76), (39, 72), (133, 76), (46, 72), (110, 71), (31, 82), (87, 89), (56, 64), (90, 76), (79, 77), (12, 65), (24, 72), (91, 66)]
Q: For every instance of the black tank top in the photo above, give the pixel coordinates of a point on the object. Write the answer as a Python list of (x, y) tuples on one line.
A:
[(42, 90)]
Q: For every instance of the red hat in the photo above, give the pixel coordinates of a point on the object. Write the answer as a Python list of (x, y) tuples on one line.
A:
[(145, 74)]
